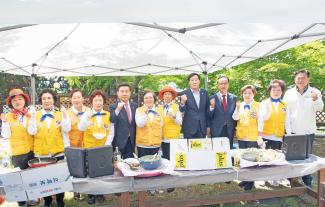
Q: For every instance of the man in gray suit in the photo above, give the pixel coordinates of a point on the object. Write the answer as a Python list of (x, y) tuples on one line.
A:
[(222, 106), (195, 105), (122, 114)]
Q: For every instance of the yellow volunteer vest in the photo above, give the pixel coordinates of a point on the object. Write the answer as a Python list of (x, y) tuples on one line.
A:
[(48, 141), (247, 124), (89, 139), (20, 141), (75, 135), (171, 130), (275, 124), (151, 134)]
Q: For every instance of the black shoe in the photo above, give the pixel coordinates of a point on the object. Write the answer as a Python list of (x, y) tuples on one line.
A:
[(249, 186), (228, 182), (100, 198), (118, 194), (307, 182), (242, 184), (91, 200), (169, 190), (22, 203), (76, 196)]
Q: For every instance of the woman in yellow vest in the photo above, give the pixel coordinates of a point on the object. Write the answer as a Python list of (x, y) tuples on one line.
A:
[(98, 130), (274, 116), (75, 112), (246, 114), (149, 121), (274, 119), (172, 119), (47, 126), (14, 128)]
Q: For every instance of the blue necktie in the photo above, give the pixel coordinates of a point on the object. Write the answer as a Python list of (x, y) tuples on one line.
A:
[(166, 106), (46, 115), (80, 113), (98, 114), (275, 100), (247, 106)]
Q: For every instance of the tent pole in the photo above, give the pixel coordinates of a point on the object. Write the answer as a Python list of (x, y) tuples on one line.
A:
[(33, 84), (15, 27), (33, 89), (206, 77)]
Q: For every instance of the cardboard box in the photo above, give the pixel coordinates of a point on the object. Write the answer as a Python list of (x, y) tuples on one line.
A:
[(200, 154), (12, 187), (46, 181)]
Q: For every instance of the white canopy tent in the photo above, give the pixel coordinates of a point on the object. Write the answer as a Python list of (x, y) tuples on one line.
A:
[(103, 11), (119, 49), (129, 49)]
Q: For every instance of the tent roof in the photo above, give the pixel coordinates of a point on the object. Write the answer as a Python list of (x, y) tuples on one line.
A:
[(121, 49), (96, 11)]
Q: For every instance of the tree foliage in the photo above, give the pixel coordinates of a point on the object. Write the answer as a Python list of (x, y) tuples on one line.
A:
[(138, 83), (281, 65)]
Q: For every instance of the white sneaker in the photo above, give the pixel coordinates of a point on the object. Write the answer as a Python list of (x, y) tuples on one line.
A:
[(152, 192), (161, 191), (276, 183), (285, 182), (273, 183)]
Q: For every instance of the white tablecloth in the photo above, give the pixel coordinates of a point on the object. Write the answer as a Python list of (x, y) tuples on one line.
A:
[(118, 183)]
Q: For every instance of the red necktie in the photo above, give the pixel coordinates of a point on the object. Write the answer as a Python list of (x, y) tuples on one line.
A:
[(224, 102), (128, 112)]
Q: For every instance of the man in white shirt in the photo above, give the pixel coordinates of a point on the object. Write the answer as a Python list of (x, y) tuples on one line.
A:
[(303, 102)]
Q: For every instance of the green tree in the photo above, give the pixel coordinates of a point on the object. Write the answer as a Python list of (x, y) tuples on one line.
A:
[(281, 65)]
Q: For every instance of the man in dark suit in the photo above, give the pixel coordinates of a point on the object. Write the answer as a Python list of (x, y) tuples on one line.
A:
[(195, 105), (222, 106), (122, 114)]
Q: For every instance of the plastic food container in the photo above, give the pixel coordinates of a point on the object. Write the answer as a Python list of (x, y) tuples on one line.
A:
[(149, 162)]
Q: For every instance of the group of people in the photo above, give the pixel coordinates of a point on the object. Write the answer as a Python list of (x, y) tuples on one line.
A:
[(148, 128)]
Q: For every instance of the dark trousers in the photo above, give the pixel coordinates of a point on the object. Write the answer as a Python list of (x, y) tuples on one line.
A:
[(247, 144), (271, 144), (128, 150), (59, 196), (224, 133), (147, 151), (198, 134), (59, 199), (244, 145), (165, 147), (21, 161), (307, 179)]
